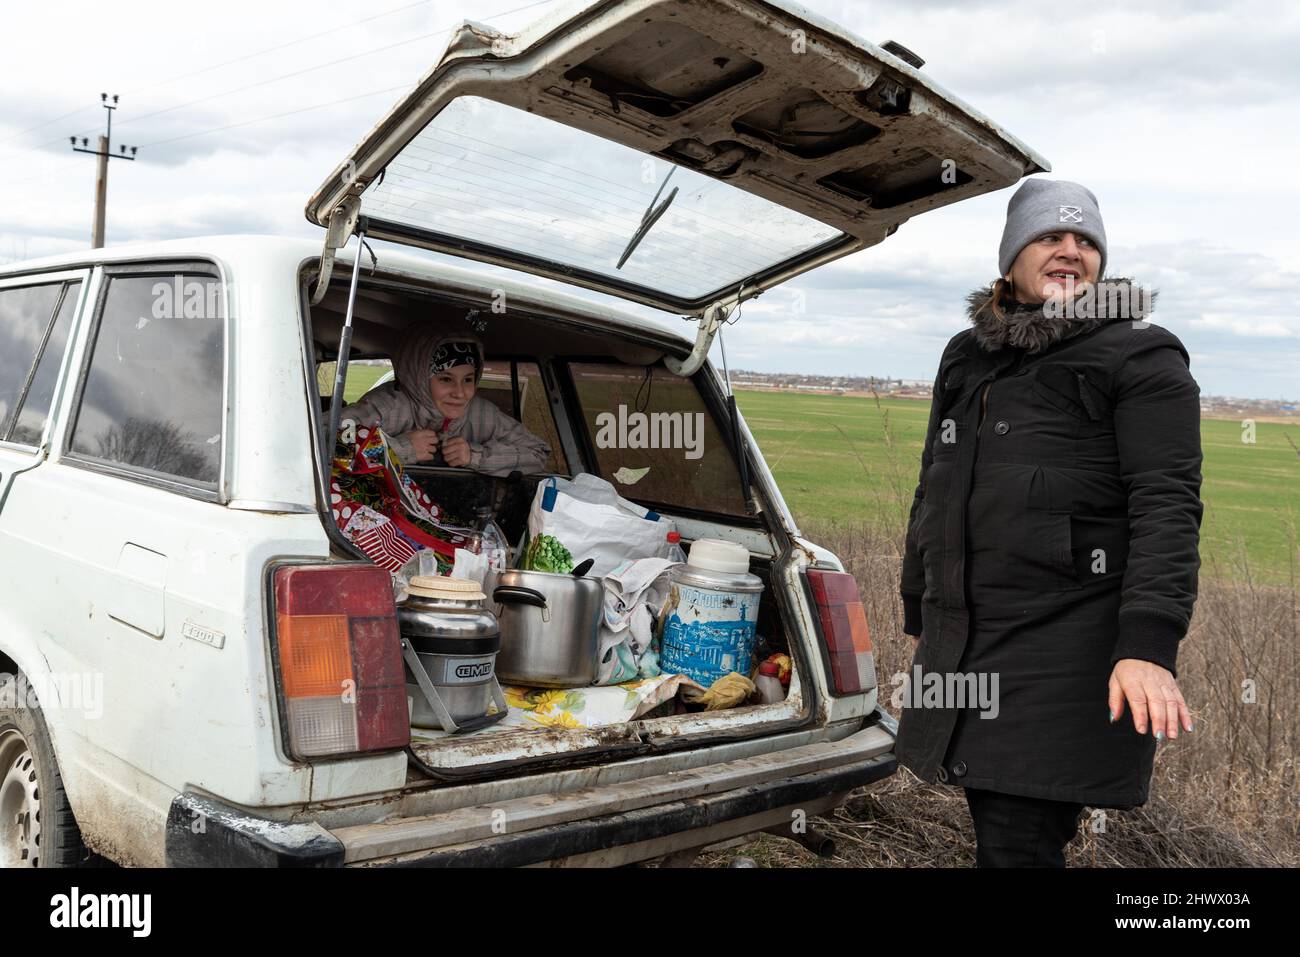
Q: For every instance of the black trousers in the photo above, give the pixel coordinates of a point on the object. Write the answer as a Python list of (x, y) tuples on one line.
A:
[(1014, 831)]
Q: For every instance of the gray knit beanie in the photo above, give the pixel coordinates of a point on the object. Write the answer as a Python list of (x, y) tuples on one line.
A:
[(1049, 206)]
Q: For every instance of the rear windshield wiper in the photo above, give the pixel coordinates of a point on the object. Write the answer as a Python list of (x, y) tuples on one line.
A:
[(649, 218)]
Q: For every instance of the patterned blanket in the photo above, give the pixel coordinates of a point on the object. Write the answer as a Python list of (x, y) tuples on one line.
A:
[(380, 509)]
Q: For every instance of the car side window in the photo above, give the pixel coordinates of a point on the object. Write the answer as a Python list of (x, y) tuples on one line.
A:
[(535, 409), (25, 314), (655, 439), (153, 397), (35, 410)]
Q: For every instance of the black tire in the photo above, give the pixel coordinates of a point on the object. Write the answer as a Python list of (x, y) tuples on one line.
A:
[(37, 827)]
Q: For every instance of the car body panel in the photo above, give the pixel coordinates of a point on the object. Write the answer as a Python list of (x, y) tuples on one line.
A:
[(185, 663)]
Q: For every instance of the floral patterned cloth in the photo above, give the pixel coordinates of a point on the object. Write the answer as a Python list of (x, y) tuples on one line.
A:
[(589, 707), (380, 509)]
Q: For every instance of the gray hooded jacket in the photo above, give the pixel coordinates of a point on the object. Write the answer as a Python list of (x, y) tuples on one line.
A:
[(498, 444)]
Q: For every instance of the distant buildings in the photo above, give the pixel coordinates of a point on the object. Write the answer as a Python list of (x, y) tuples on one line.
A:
[(1211, 406), (832, 385)]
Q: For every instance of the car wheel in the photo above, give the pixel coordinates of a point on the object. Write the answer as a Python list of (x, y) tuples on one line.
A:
[(37, 827)]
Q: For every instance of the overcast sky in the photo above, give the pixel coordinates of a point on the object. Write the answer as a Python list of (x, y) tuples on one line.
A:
[(1182, 117)]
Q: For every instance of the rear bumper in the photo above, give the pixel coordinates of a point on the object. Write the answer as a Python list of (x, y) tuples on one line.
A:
[(614, 824), (204, 832), (663, 828)]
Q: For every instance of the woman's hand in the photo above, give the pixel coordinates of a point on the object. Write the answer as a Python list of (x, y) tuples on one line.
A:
[(424, 443), (1150, 691), (457, 451)]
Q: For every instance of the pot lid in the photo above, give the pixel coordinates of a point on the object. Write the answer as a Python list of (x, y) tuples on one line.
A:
[(444, 588)]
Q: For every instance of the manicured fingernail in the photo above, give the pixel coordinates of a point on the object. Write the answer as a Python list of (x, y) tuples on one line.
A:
[(1111, 712), (1160, 735), (1191, 727)]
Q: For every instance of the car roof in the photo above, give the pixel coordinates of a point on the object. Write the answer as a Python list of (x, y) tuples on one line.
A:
[(292, 251)]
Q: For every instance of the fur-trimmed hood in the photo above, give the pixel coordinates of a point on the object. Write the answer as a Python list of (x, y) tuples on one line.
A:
[(1034, 327)]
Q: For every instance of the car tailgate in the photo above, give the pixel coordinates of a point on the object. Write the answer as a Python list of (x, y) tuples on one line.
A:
[(654, 815)]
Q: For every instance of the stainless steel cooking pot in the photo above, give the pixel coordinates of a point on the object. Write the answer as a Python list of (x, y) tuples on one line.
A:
[(550, 628)]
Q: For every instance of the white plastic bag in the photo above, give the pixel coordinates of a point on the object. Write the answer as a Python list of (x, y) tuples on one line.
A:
[(423, 562), (592, 520), (470, 566)]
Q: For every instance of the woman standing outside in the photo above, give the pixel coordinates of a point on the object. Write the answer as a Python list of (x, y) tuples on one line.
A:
[(1052, 544)]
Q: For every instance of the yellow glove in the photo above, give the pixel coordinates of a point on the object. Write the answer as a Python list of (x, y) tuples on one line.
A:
[(729, 691)]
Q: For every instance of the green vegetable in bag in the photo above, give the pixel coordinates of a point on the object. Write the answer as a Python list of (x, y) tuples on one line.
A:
[(546, 554)]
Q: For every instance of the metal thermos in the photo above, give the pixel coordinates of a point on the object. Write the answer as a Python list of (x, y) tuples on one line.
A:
[(455, 641)]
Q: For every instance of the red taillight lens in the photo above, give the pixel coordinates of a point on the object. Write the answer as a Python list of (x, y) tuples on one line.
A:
[(844, 629), (340, 656)]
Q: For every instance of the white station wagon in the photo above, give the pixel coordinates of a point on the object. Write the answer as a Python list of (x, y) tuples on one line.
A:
[(164, 413)]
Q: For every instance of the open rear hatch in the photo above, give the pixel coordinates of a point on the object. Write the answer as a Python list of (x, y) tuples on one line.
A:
[(679, 155), (685, 156)]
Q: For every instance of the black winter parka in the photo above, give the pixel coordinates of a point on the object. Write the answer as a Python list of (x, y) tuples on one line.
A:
[(1053, 532)]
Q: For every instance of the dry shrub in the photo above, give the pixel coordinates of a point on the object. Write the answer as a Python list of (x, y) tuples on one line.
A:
[(1222, 796)]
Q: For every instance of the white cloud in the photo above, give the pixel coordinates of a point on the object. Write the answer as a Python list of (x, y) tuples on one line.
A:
[(1247, 327), (1179, 120)]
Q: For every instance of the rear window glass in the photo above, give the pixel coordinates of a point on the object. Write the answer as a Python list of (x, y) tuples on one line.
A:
[(35, 409), (363, 375), (655, 439), (534, 408), (153, 397), (508, 179), (25, 314)]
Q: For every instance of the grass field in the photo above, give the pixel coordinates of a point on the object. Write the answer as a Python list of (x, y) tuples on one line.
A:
[(360, 379), (840, 458), (852, 460)]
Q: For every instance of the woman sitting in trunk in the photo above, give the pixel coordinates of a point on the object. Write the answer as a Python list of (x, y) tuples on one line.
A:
[(431, 414)]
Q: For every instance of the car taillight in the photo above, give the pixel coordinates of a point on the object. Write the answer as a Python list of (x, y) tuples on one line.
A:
[(341, 671), (844, 629)]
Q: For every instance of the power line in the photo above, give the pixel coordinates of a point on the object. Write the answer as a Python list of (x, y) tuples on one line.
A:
[(277, 116), (221, 129), (30, 129), (355, 56), (41, 173), (282, 46), (322, 66), (230, 62)]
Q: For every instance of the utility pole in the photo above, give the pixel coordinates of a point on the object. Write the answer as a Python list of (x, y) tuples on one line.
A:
[(104, 152)]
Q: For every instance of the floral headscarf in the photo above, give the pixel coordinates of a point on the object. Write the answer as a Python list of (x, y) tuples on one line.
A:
[(456, 352), (429, 352)]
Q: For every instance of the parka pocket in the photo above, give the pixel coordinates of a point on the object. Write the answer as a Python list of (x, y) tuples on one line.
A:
[(933, 531), (1053, 537), (929, 545), (1100, 545), (952, 389), (1058, 550), (1071, 389), (952, 374)]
